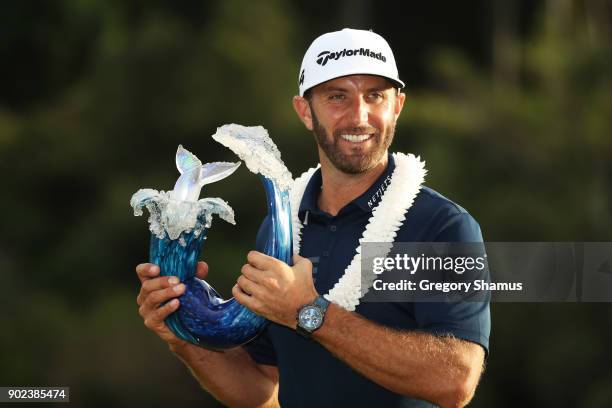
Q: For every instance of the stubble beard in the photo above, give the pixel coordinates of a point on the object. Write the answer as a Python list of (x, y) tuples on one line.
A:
[(357, 163)]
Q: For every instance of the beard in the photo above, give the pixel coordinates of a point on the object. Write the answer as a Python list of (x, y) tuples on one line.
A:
[(359, 160)]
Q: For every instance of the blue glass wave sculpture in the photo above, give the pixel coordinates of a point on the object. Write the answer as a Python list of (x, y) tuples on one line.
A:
[(179, 226)]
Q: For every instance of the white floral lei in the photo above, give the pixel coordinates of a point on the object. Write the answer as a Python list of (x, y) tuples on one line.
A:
[(387, 217)]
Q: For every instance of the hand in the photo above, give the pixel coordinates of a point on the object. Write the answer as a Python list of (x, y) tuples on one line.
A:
[(157, 290), (273, 289)]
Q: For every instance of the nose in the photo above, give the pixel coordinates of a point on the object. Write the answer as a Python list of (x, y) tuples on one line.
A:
[(360, 112)]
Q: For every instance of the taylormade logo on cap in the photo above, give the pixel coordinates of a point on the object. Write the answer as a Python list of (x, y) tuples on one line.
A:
[(325, 56), (347, 52)]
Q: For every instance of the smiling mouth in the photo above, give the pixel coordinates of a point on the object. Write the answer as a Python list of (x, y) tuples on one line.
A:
[(356, 138)]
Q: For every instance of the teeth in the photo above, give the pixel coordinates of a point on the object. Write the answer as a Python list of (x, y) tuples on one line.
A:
[(356, 138)]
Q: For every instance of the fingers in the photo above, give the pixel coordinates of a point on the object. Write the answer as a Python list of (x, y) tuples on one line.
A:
[(248, 286), (146, 271), (150, 301), (261, 278), (202, 270), (260, 261), (252, 273), (244, 299), (155, 320), (155, 284), (159, 283), (157, 299)]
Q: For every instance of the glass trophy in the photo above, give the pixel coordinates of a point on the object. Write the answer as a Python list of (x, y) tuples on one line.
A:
[(179, 222)]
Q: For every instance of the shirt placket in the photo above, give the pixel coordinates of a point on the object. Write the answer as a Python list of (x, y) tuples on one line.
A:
[(325, 276)]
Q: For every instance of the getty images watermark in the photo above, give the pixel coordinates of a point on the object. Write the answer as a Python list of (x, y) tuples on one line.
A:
[(493, 271)]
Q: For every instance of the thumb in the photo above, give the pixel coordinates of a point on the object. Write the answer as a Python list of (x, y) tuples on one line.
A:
[(297, 258), (202, 270), (301, 261)]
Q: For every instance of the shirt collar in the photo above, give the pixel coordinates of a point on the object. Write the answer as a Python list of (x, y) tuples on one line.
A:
[(367, 201)]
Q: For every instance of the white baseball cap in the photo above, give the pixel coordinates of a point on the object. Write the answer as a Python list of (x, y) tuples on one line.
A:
[(347, 52)]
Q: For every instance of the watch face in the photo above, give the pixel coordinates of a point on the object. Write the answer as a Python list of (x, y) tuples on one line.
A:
[(310, 318)]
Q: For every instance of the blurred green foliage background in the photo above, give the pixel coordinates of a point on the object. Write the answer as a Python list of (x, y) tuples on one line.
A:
[(509, 102)]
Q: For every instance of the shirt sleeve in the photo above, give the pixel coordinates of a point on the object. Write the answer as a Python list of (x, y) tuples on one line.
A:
[(467, 320), (459, 227), (261, 348)]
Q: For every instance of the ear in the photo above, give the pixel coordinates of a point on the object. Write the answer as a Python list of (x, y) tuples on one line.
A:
[(302, 108), (400, 98)]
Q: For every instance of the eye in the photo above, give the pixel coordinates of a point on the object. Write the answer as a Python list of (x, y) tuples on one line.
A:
[(376, 96), (336, 97)]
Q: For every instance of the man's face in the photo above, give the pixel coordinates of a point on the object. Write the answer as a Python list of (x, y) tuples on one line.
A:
[(353, 119)]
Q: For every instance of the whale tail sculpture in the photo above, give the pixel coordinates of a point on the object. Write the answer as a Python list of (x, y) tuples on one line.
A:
[(194, 175), (179, 224)]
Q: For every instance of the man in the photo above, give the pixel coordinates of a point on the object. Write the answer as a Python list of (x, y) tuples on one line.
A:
[(343, 353)]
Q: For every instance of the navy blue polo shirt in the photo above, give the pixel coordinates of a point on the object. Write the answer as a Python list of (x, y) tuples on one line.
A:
[(310, 376)]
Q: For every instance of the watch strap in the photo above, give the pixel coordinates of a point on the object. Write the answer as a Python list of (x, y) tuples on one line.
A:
[(323, 304), (303, 332)]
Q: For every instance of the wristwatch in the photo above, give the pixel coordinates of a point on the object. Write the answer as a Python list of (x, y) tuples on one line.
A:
[(310, 317)]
